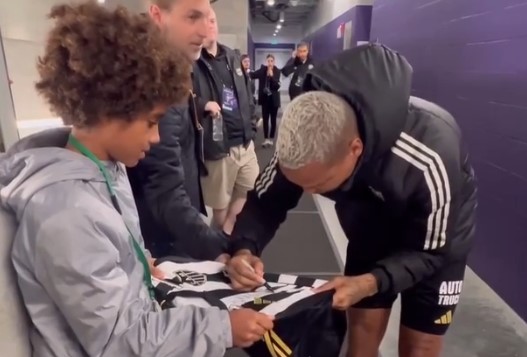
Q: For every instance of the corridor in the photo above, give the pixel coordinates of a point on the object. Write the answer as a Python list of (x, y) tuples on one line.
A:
[(466, 56)]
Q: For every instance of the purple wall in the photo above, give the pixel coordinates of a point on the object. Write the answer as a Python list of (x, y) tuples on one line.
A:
[(470, 56), (324, 41)]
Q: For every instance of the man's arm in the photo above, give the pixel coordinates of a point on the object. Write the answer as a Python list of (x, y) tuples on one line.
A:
[(289, 67), (81, 271), (436, 174), (265, 210), (199, 102), (201, 105), (163, 184), (259, 73)]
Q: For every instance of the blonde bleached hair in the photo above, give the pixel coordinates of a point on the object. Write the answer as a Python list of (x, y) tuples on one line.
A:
[(315, 127)]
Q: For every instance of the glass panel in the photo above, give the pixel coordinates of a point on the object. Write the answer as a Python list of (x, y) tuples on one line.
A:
[(8, 129)]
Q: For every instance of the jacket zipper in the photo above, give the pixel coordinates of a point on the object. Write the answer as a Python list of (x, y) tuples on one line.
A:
[(198, 126)]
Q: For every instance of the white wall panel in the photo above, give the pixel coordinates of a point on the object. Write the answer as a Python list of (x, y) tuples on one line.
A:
[(233, 20), (24, 26), (328, 10)]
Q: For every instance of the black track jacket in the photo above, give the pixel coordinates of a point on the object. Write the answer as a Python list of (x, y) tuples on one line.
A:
[(413, 161)]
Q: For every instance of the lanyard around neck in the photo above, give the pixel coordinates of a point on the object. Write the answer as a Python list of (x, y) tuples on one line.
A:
[(147, 277)]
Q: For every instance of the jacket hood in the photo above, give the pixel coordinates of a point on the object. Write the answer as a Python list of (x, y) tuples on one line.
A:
[(376, 82), (36, 162)]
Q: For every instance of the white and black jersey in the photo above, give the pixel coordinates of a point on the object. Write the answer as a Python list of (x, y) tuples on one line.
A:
[(298, 311), (206, 284)]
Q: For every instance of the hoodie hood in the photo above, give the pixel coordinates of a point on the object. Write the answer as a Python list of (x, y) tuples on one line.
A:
[(376, 82), (38, 161)]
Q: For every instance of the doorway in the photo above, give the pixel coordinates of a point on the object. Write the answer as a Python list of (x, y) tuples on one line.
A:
[(8, 127)]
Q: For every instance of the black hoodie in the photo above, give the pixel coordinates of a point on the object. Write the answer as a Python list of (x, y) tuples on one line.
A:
[(413, 179), (299, 70)]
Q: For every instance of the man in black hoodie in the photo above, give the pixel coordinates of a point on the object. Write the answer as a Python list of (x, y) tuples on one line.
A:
[(298, 65), (404, 193)]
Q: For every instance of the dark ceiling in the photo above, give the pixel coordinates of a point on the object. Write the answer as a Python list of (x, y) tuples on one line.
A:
[(295, 12)]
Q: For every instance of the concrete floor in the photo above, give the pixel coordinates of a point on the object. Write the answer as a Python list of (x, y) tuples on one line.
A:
[(484, 326)]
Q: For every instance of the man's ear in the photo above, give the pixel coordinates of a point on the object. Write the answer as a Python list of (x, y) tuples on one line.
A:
[(356, 147), (155, 14)]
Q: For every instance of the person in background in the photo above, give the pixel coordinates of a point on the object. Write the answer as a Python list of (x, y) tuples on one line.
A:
[(229, 129), (246, 65), (268, 97), (404, 191), (298, 65), (166, 183), (78, 251)]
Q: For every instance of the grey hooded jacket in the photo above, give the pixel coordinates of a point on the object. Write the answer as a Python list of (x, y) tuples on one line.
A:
[(80, 280)]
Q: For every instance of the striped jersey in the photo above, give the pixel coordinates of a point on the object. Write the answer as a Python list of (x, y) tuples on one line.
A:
[(292, 301)]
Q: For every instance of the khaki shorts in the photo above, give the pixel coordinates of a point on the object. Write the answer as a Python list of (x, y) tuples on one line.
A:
[(231, 177)]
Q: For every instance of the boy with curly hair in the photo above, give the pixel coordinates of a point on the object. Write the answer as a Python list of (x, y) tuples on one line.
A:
[(78, 253)]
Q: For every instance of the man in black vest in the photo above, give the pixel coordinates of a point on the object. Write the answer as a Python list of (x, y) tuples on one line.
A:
[(223, 89), (298, 65)]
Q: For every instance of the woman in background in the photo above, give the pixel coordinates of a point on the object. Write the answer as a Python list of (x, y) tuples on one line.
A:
[(268, 97)]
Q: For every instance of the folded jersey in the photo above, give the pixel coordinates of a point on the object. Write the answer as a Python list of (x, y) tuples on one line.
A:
[(305, 323)]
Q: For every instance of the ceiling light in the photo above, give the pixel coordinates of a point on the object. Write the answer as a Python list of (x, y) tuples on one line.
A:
[(294, 2), (270, 2), (282, 16), (278, 27), (101, 1), (274, 34)]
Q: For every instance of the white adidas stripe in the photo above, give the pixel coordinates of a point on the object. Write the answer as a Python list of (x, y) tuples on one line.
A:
[(443, 174), (266, 179), (443, 179), (436, 178), (430, 185)]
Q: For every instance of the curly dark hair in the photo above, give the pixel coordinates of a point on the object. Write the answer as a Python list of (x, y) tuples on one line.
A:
[(102, 63)]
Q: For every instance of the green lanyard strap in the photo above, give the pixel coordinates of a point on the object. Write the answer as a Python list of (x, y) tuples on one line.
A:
[(147, 277)]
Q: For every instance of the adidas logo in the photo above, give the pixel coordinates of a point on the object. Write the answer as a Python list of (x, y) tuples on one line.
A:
[(446, 319), (260, 301)]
